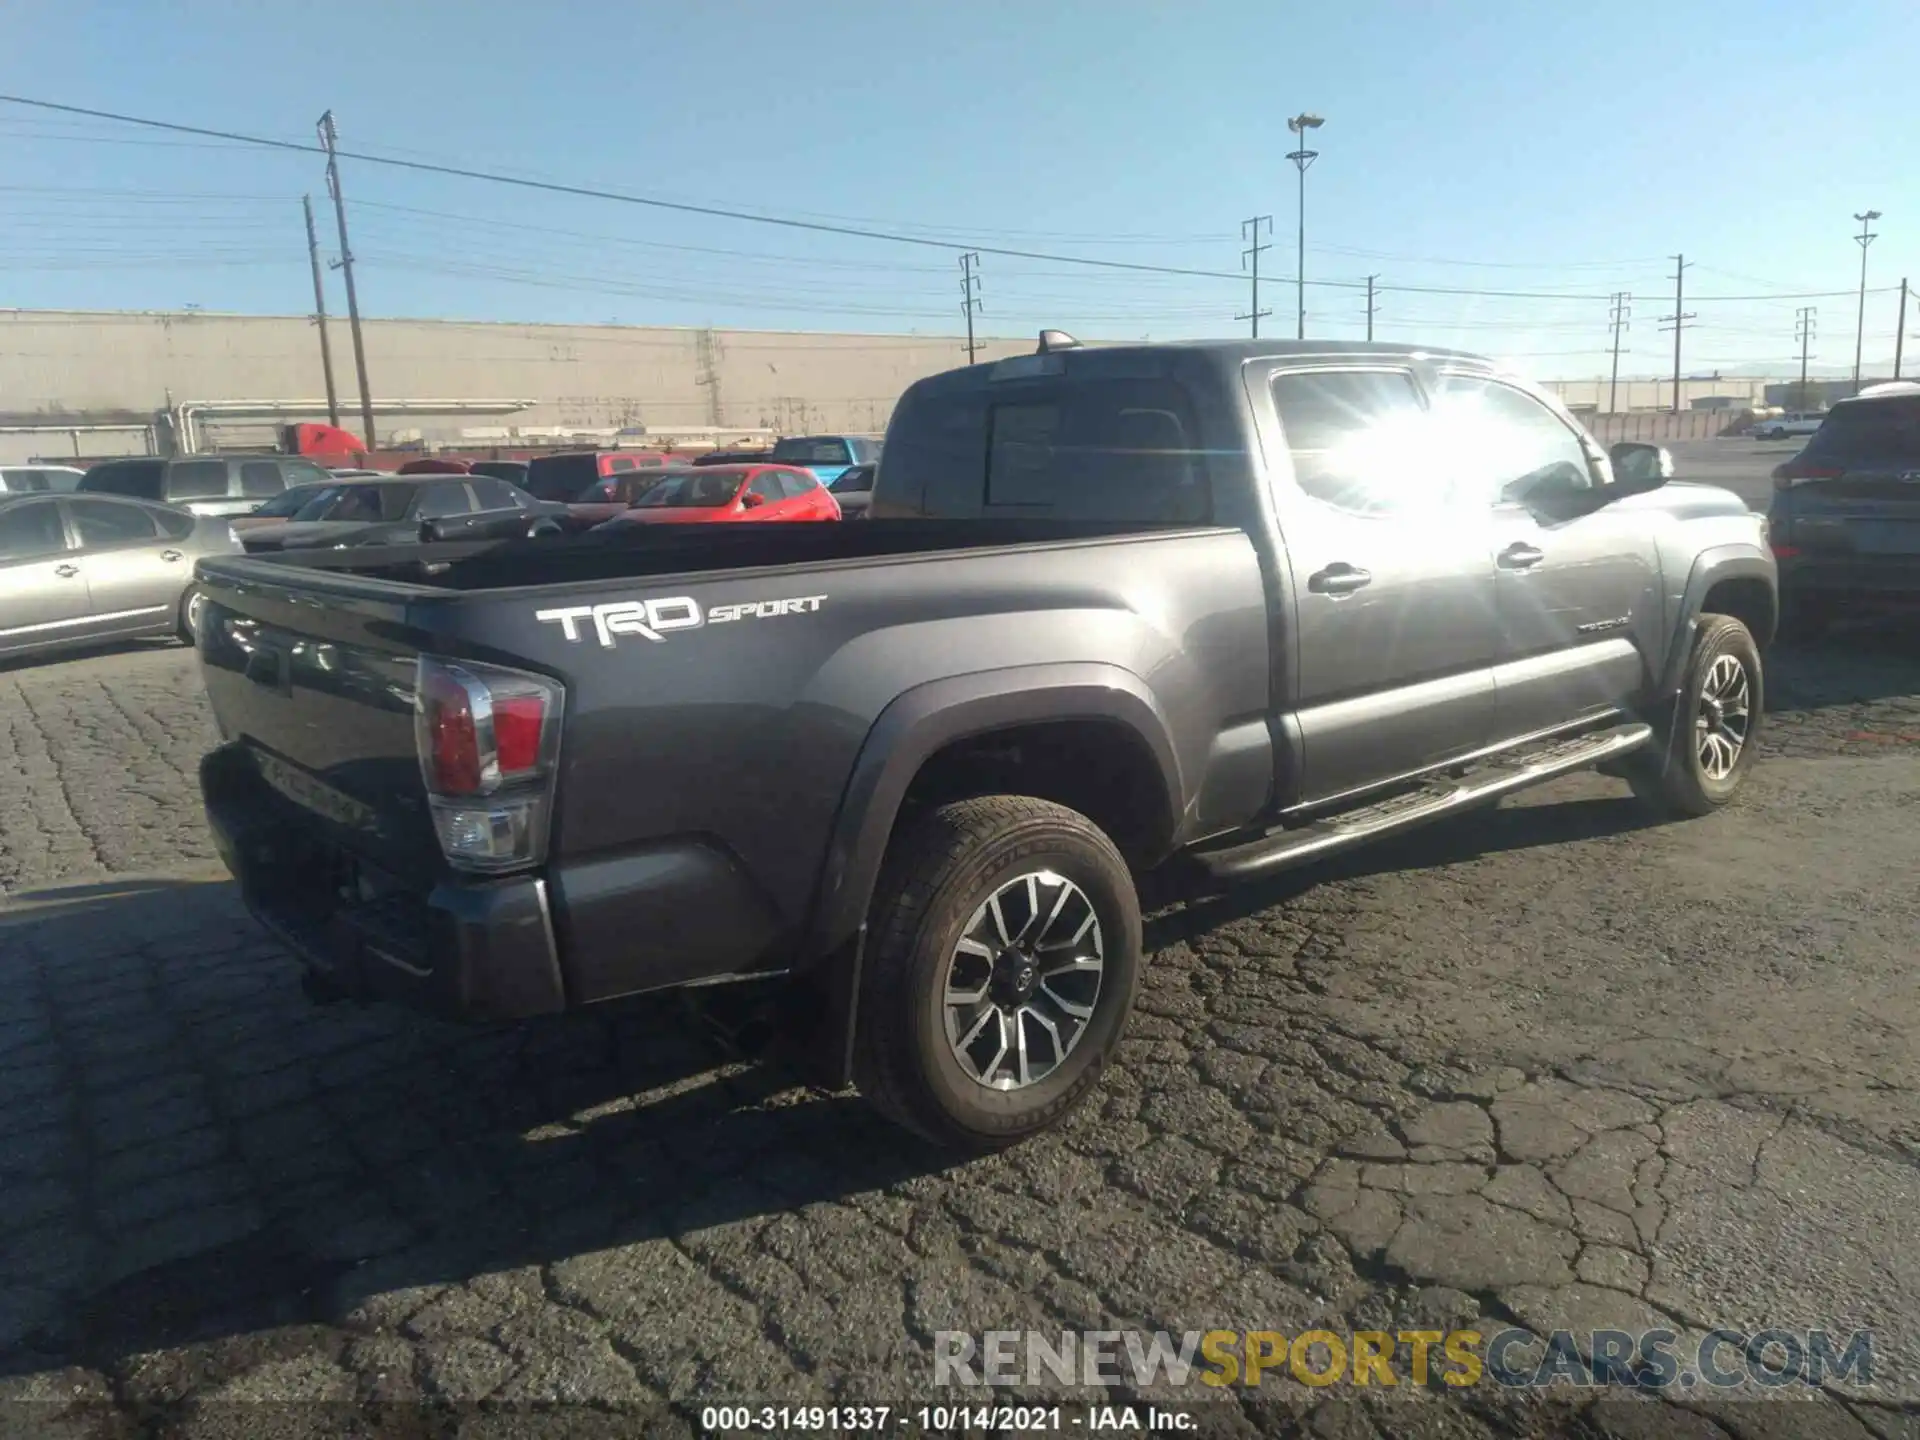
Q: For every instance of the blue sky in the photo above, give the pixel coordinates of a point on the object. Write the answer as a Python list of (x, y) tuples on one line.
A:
[(1544, 148)]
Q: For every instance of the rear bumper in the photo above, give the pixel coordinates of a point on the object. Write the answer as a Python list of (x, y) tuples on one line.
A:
[(483, 949), (1866, 580)]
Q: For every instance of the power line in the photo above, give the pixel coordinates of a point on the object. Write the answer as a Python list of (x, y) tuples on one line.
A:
[(1803, 333), (793, 223)]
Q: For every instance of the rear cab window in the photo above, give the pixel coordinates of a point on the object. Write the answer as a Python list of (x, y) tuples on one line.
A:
[(1112, 449)]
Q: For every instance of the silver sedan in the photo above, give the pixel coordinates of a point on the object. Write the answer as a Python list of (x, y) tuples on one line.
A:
[(81, 568)]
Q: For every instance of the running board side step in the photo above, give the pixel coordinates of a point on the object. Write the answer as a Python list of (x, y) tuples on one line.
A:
[(1283, 848)]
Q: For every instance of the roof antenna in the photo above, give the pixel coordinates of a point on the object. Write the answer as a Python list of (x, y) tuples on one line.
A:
[(1052, 340)]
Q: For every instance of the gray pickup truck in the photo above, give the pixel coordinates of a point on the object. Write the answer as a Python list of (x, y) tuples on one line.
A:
[(1236, 605)]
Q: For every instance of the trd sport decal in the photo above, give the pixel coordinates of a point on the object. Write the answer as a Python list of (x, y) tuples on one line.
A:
[(655, 619)]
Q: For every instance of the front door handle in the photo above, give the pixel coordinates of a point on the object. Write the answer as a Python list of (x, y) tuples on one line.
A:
[(1521, 556), (169, 554), (66, 572), (1339, 578)]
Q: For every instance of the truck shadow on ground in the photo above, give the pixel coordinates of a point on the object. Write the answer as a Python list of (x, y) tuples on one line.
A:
[(329, 1156)]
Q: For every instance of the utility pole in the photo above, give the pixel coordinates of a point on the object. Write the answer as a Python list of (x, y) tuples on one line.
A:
[(969, 295), (1250, 258), (1677, 322), (320, 312), (1372, 309), (1619, 317), (1900, 331), (1302, 158), (1865, 238), (329, 138), (1805, 319)]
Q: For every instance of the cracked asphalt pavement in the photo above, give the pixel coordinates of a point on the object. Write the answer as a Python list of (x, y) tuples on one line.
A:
[(1549, 1066)]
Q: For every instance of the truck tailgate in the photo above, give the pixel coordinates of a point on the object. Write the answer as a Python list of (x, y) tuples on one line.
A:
[(314, 686)]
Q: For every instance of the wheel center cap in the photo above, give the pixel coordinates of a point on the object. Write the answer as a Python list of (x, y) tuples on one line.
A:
[(1014, 974)]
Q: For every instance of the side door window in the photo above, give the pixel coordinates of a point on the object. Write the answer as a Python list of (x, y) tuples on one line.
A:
[(492, 494), (303, 472), (260, 479), (768, 487), (31, 531), (197, 480), (1504, 444), (448, 497), (103, 525), (1357, 440)]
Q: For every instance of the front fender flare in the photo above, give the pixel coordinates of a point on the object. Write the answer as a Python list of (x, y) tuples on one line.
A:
[(1710, 567), (922, 720)]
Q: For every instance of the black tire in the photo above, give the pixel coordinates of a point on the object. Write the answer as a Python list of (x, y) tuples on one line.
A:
[(939, 872), (185, 627), (1684, 785)]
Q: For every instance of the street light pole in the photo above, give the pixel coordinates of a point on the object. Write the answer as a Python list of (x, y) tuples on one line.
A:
[(1300, 124), (1865, 238)]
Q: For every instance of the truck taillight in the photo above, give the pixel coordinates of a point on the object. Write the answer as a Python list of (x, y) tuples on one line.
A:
[(488, 740)]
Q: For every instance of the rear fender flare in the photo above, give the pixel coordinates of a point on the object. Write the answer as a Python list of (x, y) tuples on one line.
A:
[(922, 720)]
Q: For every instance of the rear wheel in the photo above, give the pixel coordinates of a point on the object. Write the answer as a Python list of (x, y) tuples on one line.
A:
[(1709, 739), (1003, 956), (191, 604)]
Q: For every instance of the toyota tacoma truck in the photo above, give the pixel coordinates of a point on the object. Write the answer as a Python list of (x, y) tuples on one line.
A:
[(1235, 605)]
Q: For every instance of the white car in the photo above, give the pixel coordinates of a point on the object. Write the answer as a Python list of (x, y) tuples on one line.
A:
[(38, 479), (1794, 422)]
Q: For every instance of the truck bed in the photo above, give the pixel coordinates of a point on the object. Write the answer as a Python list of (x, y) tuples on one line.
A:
[(636, 551), (719, 691)]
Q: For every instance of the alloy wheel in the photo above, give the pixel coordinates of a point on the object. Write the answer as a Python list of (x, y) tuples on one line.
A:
[(1023, 980)]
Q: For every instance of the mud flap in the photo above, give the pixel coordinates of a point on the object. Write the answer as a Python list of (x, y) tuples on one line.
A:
[(821, 1017)]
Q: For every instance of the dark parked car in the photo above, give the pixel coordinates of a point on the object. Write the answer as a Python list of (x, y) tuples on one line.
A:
[(1845, 515), (854, 489), (387, 511), (731, 457), (1241, 604), (564, 478), (605, 499), (514, 472), (203, 484), (79, 568)]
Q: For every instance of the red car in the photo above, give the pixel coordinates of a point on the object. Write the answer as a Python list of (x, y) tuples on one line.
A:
[(604, 499), (732, 492)]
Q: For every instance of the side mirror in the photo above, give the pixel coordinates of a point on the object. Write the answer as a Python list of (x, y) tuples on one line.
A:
[(1638, 467), (752, 501)]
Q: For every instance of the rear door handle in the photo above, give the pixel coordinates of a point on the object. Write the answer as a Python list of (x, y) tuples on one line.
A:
[(1521, 556), (169, 554), (66, 572), (1339, 578)]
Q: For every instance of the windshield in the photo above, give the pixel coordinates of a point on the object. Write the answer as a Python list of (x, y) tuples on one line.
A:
[(811, 450), (708, 491), (859, 478), (289, 503)]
